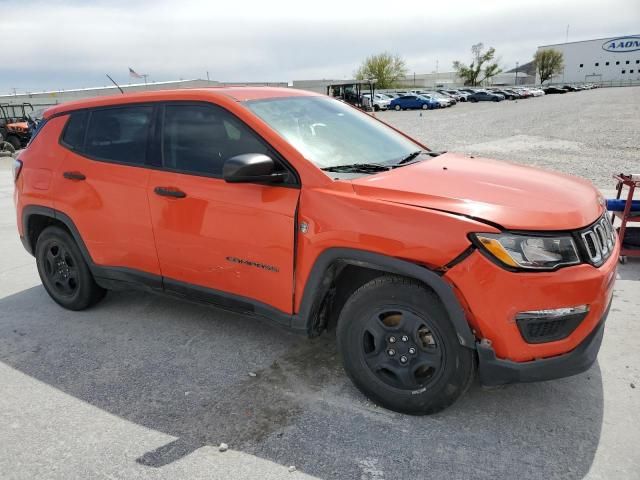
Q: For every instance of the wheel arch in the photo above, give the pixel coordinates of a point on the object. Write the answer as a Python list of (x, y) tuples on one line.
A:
[(319, 290), (35, 218)]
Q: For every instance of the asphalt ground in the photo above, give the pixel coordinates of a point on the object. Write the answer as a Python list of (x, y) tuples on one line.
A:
[(145, 386), (591, 133)]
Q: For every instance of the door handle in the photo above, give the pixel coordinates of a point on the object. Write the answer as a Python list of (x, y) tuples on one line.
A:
[(169, 192), (74, 176)]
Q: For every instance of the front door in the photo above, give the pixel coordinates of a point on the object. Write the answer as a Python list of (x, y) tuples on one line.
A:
[(235, 238)]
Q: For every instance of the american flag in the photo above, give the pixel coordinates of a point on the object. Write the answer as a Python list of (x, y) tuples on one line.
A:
[(134, 74)]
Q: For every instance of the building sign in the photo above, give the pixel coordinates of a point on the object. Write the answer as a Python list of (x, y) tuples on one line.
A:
[(622, 44)]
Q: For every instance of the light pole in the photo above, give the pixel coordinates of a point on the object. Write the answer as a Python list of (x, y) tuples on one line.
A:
[(516, 74)]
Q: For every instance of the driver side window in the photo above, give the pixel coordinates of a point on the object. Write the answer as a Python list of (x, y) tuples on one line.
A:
[(198, 138)]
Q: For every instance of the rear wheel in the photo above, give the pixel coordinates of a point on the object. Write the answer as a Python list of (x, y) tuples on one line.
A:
[(397, 108), (64, 272), (400, 349), (14, 141), (425, 106)]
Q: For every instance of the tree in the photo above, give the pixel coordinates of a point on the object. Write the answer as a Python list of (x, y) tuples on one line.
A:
[(480, 69), (548, 62), (385, 67)]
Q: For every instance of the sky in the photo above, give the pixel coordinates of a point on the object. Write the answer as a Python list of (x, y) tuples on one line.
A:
[(63, 44)]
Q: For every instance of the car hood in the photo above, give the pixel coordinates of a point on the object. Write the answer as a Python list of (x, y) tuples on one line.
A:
[(510, 195)]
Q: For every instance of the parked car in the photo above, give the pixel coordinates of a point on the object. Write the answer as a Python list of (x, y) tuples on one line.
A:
[(447, 99), (485, 96), (408, 102), (515, 93), (536, 92), (441, 101), (552, 90), (380, 102), (459, 97), (508, 95), (295, 207)]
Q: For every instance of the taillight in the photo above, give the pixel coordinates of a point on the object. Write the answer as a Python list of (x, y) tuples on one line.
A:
[(17, 168)]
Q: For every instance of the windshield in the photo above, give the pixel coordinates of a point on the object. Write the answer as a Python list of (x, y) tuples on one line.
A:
[(329, 133)]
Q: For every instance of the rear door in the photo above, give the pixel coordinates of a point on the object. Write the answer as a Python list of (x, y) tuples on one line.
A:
[(228, 238), (102, 185)]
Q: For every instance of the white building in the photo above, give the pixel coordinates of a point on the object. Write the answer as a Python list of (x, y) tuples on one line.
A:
[(614, 60), (53, 97)]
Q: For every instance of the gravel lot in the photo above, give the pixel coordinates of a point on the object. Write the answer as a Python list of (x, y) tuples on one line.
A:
[(144, 386), (592, 133)]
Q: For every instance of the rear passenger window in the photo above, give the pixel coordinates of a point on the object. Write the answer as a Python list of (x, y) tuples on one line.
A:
[(74, 131), (199, 138), (119, 134)]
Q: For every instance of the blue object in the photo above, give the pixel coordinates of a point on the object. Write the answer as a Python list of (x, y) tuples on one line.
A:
[(413, 101), (617, 205)]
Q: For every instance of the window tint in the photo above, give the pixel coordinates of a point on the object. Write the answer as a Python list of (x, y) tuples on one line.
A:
[(74, 131), (199, 138), (119, 134)]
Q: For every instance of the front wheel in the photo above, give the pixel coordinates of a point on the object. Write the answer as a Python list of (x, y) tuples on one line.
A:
[(64, 272), (496, 99), (400, 349), (425, 106)]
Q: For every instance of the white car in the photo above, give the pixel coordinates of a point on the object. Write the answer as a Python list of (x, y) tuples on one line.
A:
[(536, 92), (380, 101)]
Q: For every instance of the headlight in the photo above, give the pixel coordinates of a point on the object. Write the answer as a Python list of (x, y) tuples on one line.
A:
[(528, 251)]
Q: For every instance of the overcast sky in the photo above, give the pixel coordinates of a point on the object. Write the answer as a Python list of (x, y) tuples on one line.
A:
[(57, 44)]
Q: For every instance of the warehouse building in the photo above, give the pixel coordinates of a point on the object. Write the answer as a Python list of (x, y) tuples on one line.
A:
[(614, 60), (53, 97)]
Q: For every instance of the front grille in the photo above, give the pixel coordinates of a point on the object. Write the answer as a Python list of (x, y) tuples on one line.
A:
[(598, 241), (541, 330)]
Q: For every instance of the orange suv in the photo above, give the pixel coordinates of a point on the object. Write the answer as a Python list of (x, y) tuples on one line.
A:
[(299, 208)]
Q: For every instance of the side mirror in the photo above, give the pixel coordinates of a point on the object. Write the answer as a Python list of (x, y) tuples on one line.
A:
[(251, 168)]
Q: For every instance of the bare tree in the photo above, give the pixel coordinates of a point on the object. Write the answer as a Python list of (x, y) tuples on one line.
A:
[(481, 68)]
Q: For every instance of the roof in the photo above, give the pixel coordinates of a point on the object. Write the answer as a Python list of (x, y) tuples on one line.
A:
[(585, 41), (239, 94), (105, 87)]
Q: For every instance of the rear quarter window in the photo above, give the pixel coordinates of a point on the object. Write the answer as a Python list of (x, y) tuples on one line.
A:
[(73, 136)]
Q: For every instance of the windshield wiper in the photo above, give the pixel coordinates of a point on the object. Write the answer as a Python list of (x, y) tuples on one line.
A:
[(358, 167), (409, 157)]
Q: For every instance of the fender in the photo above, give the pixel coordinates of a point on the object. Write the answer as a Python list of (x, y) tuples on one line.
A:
[(316, 287), (30, 210)]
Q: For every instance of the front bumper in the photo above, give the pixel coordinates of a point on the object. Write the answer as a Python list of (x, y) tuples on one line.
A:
[(494, 371)]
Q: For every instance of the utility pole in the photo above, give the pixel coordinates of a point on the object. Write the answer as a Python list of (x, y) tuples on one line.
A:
[(567, 36)]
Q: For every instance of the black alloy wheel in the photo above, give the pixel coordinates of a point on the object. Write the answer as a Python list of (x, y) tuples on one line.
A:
[(400, 349), (64, 272)]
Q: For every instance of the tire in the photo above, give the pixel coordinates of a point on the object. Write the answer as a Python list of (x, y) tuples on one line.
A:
[(496, 99), (376, 108), (63, 271), (400, 349), (473, 100), (14, 141), (397, 108), (425, 106)]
